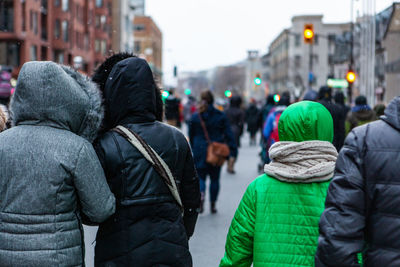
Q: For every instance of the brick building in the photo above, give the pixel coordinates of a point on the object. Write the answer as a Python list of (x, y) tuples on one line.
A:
[(72, 32), (148, 43)]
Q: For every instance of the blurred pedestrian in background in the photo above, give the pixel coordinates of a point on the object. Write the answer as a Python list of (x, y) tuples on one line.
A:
[(172, 109), (147, 228), (49, 171), (189, 109), (253, 121), (337, 113), (311, 95), (360, 114), (379, 110), (270, 130), (340, 100), (5, 91), (266, 109), (360, 225), (236, 117), (218, 129), (3, 121), (276, 223)]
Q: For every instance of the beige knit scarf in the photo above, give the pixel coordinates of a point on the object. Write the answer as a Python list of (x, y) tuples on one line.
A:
[(302, 162)]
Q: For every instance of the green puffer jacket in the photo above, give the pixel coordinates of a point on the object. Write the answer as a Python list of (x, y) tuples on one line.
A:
[(276, 223)]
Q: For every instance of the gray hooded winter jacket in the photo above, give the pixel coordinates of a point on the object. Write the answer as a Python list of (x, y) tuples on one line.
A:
[(49, 171)]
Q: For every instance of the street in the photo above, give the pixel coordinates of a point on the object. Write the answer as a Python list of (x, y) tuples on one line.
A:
[(207, 244)]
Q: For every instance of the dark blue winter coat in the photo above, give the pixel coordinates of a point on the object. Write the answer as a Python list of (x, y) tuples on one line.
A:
[(219, 130)]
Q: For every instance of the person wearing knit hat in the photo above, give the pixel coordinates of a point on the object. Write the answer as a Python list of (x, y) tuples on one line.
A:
[(276, 222), (50, 176), (360, 114)]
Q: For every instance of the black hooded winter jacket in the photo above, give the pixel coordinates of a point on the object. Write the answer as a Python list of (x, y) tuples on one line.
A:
[(362, 209), (147, 228)]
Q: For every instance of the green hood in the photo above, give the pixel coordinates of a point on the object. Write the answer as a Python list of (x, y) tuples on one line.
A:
[(305, 121)]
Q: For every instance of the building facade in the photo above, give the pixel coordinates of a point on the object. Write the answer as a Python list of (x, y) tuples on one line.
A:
[(71, 32), (148, 43), (297, 65), (122, 23)]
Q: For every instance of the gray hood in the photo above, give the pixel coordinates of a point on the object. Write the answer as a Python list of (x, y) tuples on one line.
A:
[(58, 96), (392, 113)]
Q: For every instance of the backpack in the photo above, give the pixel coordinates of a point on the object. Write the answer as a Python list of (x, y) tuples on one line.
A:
[(274, 137)]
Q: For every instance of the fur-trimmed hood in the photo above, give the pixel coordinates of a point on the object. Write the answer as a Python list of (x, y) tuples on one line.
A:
[(55, 95)]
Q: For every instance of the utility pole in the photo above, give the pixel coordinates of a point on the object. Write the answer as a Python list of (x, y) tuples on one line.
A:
[(308, 35), (310, 68), (350, 87)]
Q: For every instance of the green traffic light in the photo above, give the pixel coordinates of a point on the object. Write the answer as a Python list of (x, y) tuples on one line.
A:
[(165, 94), (257, 81), (228, 93), (188, 92)]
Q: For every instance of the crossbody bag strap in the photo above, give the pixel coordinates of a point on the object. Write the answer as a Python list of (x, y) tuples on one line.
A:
[(158, 163), (203, 125)]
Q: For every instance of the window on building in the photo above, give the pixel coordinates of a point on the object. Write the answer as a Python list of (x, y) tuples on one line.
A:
[(99, 3), (297, 40), (7, 15), (43, 23), (138, 27), (57, 2), (315, 59), (86, 43), (103, 20), (58, 56), (43, 53), (64, 27), (97, 21), (97, 45), (103, 47), (33, 52), (57, 29), (137, 47), (35, 23), (297, 61), (23, 17), (316, 39), (65, 5), (9, 53)]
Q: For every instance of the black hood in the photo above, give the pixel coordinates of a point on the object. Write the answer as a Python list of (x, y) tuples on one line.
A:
[(392, 113), (236, 101), (130, 93)]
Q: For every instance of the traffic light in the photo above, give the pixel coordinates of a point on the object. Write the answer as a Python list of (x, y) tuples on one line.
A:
[(277, 98), (351, 76), (257, 79), (188, 91), (308, 33), (165, 94), (228, 93)]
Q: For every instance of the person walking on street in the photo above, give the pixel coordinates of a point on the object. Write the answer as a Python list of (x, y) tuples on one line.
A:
[(217, 127), (172, 109), (236, 118), (360, 114), (338, 116), (360, 224), (270, 131), (148, 228), (276, 223), (253, 121), (50, 176)]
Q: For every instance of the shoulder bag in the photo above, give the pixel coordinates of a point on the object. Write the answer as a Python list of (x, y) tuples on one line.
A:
[(216, 152), (158, 163)]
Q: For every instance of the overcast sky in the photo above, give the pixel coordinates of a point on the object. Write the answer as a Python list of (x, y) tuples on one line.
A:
[(201, 34)]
